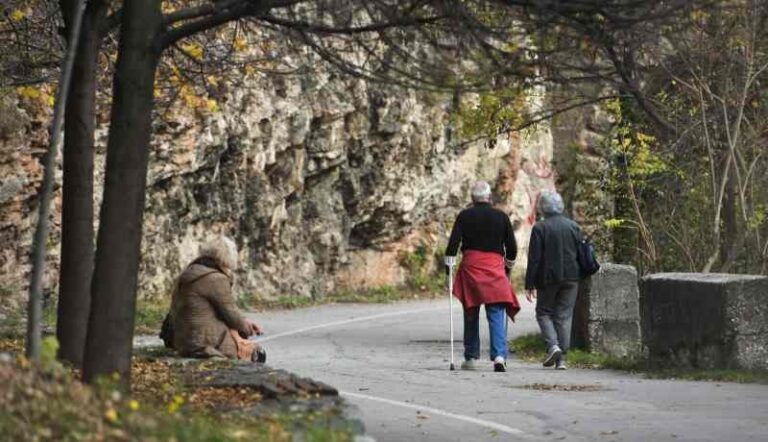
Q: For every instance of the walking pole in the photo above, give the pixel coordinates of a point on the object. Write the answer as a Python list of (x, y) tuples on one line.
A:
[(511, 265), (450, 261)]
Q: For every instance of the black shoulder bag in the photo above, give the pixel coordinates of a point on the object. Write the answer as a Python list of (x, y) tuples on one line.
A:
[(588, 263)]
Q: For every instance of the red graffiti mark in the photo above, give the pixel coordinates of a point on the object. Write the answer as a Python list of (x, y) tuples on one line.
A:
[(541, 167), (534, 201)]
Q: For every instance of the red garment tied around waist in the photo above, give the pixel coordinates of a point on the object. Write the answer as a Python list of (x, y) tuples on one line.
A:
[(481, 279)]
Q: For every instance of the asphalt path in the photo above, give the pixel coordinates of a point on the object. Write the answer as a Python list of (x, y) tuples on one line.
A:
[(391, 361)]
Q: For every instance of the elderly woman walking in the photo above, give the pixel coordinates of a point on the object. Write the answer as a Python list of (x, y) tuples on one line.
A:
[(204, 319), (553, 271)]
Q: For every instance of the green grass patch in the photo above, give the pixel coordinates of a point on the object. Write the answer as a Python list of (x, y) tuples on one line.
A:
[(739, 376), (14, 325), (530, 348), (49, 316), (149, 318), (283, 302), (378, 295), (423, 275), (585, 359), (150, 315)]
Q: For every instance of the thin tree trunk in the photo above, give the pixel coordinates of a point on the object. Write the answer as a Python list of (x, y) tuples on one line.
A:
[(35, 308), (109, 343), (732, 239), (77, 248)]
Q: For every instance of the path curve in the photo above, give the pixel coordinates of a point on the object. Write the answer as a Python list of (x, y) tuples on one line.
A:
[(391, 361)]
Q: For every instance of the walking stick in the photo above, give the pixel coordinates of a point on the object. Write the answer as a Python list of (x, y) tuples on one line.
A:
[(450, 261), (508, 264)]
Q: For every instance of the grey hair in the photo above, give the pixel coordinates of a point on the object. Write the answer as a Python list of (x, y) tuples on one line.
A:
[(222, 249), (481, 192), (551, 203)]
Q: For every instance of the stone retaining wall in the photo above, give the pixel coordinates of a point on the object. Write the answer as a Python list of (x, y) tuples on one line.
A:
[(607, 314), (705, 320)]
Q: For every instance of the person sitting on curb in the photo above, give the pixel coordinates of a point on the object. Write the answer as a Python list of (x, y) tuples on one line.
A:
[(203, 321), (486, 237), (553, 271)]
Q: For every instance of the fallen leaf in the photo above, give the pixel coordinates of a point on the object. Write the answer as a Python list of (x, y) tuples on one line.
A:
[(110, 415)]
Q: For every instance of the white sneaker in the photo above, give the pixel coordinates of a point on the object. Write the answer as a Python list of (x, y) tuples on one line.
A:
[(561, 365), (499, 364), (552, 355), (469, 364)]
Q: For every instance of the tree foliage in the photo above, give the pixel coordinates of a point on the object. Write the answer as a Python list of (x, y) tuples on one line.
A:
[(684, 84), (707, 84)]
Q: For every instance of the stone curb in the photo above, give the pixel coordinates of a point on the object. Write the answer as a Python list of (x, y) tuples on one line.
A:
[(282, 391)]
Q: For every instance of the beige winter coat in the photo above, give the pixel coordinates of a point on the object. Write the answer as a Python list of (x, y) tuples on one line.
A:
[(203, 311)]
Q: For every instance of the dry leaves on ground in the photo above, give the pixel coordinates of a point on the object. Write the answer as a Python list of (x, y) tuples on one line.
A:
[(562, 387)]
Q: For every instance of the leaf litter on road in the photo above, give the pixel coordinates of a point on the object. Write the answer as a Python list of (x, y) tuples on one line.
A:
[(562, 387)]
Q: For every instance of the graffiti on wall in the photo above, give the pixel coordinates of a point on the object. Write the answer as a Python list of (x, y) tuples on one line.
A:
[(542, 177)]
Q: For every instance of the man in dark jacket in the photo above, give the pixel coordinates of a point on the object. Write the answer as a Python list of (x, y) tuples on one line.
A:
[(486, 238), (553, 271)]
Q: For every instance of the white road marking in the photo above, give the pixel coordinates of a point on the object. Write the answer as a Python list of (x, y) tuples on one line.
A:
[(345, 322), (473, 420), (434, 411)]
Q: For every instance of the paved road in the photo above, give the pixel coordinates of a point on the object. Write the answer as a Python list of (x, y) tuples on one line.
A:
[(391, 361)]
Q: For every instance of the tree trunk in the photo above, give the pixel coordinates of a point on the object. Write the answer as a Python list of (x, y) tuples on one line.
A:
[(732, 240), (77, 249), (35, 305), (109, 341)]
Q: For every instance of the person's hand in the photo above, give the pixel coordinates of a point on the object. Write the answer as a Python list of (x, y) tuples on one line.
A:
[(530, 295), (250, 329), (255, 329), (449, 262)]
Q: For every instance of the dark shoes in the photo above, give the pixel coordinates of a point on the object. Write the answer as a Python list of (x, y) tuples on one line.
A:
[(259, 355)]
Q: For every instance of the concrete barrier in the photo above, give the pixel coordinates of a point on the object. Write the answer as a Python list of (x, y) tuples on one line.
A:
[(607, 314), (705, 320)]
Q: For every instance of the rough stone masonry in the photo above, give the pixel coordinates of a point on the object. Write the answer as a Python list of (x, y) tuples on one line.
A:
[(607, 314), (325, 183), (705, 320)]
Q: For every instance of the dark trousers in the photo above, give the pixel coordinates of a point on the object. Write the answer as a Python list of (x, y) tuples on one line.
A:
[(554, 313)]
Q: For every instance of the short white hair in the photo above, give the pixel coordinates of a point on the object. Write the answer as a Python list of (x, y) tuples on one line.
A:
[(481, 191), (551, 203), (222, 249)]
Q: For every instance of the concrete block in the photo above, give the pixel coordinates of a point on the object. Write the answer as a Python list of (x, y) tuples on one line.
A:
[(705, 320), (607, 314)]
